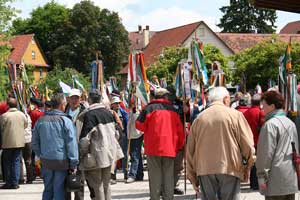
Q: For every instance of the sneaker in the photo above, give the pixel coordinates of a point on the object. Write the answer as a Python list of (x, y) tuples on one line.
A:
[(178, 191), (130, 180)]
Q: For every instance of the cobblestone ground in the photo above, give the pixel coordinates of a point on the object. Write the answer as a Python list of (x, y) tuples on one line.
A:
[(133, 191)]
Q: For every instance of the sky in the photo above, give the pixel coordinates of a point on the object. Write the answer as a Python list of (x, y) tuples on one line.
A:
[(158, 14)]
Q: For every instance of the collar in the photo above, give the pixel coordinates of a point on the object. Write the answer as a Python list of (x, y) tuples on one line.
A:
[(13, 110), (217, 103), (161, 101), (274, 113)]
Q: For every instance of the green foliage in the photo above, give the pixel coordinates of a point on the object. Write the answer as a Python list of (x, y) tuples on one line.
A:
[(92, 30), (212, 54), (70, 38), (242, 17), (166, 64), (260, 63), (4, 80), (65, 75), (7, 13), (44, 23)]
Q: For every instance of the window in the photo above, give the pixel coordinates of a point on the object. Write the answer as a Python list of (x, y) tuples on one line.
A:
[(41, 73), (201, 32), (33, 55)]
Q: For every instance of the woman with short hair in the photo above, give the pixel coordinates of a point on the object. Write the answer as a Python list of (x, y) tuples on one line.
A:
[(276, 174)]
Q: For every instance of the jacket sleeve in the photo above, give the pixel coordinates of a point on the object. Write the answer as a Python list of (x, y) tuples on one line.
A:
[(35, 141), (140, 122), (190, 151), (88, 125), (71, 142), (266, 147), (246, 142)]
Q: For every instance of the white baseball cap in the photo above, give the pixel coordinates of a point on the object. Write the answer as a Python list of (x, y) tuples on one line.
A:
[(75, 92), (115, 99)]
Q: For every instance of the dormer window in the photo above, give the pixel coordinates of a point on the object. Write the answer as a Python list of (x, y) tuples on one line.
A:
[(33, 55)]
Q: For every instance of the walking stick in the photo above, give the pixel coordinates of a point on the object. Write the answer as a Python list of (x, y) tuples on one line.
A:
[(184, 149)]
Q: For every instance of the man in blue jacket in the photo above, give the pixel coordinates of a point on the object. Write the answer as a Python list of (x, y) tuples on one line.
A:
[(54, 141)]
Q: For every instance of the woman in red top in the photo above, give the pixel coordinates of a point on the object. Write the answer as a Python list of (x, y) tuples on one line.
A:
[(255, 118)]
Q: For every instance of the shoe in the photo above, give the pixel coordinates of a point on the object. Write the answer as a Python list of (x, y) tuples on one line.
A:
[(113, 182), (5, 186), (28, 182), (15, 187), (130, 180), (178, 191), (21, 182)]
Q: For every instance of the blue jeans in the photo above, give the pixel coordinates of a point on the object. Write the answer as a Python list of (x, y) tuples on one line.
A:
[(54, 184), (136, 168), (11, 160), (123, 141)]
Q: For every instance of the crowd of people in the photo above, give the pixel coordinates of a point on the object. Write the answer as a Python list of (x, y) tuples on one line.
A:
[(226, 142)]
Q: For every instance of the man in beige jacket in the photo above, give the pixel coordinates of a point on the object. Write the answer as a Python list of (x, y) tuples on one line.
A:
[(12, 130), (220, 149)]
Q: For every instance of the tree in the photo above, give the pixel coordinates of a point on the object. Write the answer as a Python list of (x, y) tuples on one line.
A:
[(6, 15), (88, 31), (243, 17), (167, 62), (260, 63), (44, 23), (53, 77)]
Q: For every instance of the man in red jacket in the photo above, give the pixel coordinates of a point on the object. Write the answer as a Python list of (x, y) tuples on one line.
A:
[(255, 118), (163, 138)]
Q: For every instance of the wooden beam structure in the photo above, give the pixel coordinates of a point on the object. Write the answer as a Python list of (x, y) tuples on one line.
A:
[(284, 5)]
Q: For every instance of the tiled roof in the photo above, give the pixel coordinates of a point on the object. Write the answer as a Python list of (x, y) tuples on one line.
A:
[(19, 44), (170, 37), (291, 28), (239, 41)]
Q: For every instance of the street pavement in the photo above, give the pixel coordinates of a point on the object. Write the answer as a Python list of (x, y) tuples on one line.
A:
[(134, 191)]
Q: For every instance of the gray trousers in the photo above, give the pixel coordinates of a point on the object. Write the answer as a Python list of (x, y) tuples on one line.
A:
[(219, 186), (161, 177), (178, 166), (99, 181)]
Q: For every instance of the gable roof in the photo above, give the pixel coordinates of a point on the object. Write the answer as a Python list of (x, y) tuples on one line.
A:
[(19, 45), (291, 28), (166, 38), (240, 41)]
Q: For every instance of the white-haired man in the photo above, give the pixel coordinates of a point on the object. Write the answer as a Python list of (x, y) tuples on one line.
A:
[(220, 149)]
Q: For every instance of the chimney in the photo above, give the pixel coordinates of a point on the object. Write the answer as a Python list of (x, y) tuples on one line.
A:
[(140, 28), (146, 36)]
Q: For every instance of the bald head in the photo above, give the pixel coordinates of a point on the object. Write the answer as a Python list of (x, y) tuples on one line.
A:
[(12, 102)]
